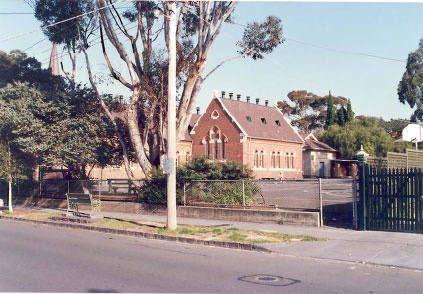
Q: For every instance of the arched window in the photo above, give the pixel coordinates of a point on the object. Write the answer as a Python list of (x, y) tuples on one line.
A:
[(207, 142), (261, 163), (216, 141), (256, 158), (278, 160), (188, 157), (224, 140), (292, 160), (273, 160), (287, 160)]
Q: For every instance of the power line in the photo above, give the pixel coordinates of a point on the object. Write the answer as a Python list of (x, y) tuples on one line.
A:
[(60, 22), (244, 26), (334, 50), (344, 51)]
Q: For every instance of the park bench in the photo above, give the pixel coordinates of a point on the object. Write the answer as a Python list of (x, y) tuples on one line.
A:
[(77, 199), (126, 185)]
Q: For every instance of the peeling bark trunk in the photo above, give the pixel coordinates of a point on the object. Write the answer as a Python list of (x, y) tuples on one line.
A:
[(109, 115), (134, 132)]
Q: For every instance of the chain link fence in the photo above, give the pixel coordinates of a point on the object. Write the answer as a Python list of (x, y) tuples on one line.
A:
[(112, 189), (287, 194), (335, 199)]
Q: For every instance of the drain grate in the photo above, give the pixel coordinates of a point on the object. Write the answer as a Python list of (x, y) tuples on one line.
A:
[(269, 280)]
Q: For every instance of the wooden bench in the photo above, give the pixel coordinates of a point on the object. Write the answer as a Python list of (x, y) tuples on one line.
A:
[(127, 185), (76, 199)]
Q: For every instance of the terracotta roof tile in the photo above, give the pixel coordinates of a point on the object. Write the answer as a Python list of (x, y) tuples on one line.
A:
[(310, 144), (260, 121)]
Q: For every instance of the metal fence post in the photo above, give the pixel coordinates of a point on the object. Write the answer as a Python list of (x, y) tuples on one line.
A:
[(185, 198), (243, 193), (362, 158), (320, 202), (354, 203)]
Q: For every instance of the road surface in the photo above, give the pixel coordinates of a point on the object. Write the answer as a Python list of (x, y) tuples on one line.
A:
[(40, 258)]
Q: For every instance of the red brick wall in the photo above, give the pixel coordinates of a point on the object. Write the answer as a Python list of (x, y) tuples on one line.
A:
[(243, 149), (233, 147)]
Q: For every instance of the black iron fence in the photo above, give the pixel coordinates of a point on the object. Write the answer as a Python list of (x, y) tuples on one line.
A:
[(393, 199)]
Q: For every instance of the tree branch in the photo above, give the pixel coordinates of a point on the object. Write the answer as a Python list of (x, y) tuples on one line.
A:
[(220, 64)]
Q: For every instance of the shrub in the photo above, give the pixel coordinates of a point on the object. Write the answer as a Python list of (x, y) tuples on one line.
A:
[(154, 190), (200, 168)]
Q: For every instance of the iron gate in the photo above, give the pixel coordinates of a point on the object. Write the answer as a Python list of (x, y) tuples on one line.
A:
[(393, 199)]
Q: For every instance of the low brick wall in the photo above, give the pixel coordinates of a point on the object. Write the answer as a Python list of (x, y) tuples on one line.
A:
[(250, 215), (230, 214)]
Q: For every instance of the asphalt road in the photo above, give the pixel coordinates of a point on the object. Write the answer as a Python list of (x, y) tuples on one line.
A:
[(39, 258)]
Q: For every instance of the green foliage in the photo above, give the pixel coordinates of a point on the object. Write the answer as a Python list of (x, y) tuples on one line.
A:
[(154, 190), (410, 86), (70, 18), (330, 112), (200, 168), (350, 114), (308, 111), (18, 67), (229, 193), (261, 38), (62, 128), (340, 113), (366, 131)]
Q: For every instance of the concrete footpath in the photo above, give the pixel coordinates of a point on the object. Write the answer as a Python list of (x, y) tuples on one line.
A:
[(371, 247)]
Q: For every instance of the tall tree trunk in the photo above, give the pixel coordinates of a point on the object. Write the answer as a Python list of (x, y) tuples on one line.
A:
[(134, 131)]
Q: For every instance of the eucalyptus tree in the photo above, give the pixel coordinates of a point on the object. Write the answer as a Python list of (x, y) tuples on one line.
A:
[(199, 23), (308, 111), (410, 87)]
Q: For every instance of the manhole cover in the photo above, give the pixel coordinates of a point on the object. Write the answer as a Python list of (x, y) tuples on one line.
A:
[(269, 280)]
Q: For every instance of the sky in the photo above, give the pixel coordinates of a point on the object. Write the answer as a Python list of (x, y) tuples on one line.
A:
[(357, 50)]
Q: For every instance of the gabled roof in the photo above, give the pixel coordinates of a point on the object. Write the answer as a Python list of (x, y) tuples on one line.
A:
[(260, 121), (312, 144)]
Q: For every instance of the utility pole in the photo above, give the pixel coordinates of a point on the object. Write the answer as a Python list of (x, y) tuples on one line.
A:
[(171, 117)]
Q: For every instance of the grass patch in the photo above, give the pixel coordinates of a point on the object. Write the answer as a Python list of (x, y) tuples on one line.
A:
[(236, 236), (33, 215), (202, 233)]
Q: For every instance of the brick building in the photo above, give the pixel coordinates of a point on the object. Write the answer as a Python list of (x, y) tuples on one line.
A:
[(255, 135), (317, 157)]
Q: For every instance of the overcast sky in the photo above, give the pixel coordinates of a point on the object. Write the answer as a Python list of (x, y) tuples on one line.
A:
[(354, 50)]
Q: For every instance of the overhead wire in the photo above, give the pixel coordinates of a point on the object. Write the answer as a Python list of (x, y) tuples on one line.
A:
[(191, 7), (60, 22), (91, 44)]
